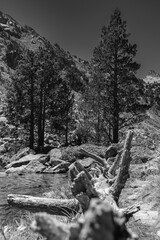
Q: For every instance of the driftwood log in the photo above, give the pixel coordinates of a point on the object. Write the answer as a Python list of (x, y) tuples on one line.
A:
[(39, 204)]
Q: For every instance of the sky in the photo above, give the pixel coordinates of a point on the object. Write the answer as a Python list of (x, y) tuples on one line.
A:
[(76, 24)]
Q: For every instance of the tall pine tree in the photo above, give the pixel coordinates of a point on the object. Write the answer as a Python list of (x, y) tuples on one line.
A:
[(113, 59)]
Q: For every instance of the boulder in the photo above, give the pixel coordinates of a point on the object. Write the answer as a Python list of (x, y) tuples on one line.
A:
[(60, 168), (32, 167), (42, 158), (55, 155), (15, 170), (56, 162), (86, 162), (21, 153)]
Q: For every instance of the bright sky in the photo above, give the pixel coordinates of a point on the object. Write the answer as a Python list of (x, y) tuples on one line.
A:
[(76, 24)]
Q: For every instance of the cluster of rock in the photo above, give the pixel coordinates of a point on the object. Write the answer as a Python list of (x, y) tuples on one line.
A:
[(26, 161), (58, 160)]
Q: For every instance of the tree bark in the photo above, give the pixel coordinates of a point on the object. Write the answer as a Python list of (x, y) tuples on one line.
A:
[(62, 207)]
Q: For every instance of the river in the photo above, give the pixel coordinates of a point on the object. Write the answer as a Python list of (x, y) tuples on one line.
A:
[(29, 184)]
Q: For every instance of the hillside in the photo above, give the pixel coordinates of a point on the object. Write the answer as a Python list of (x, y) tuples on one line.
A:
[(14, 38)]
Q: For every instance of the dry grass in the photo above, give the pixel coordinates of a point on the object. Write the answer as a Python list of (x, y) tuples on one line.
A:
[(20, 229)]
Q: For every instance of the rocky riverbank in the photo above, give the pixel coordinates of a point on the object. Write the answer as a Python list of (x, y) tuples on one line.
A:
[(55, 161)]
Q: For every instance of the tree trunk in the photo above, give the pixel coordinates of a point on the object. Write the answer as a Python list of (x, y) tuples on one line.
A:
[(98, 126), (115, 128), (62, 207), (43, 118), (66, 132), (115, 101), (40, 122), (31, 138), (101, 161), (124, 167)]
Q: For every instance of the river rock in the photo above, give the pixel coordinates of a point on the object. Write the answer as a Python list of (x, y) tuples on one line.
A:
[(42, 158), (55, 155), (21, 153), (15, 170), (32, 167), (86, 162), (60, 168)]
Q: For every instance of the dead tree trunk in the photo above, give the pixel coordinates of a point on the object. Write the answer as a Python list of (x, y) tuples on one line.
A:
[(123, 173), (85, 189), (112, 169), (39, 204), (98, 159)]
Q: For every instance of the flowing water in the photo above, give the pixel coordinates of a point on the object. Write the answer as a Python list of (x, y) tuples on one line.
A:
[(29, 184)]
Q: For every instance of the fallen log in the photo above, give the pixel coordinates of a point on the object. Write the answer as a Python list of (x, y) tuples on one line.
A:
[(101, 161), (84, 189), (40, 204), (123, 173)]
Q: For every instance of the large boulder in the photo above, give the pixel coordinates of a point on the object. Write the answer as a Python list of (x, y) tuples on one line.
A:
[(55, 156), (41, 158), (21, 153), (32, 167), (15, 170)]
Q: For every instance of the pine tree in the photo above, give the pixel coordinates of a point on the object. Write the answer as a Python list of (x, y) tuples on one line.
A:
[(113, 59), (21, 95)]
